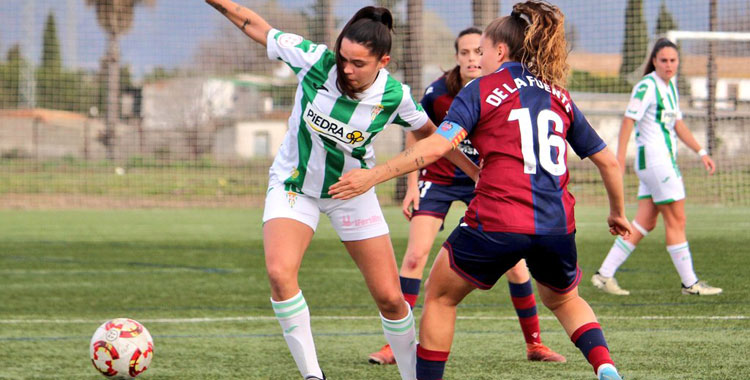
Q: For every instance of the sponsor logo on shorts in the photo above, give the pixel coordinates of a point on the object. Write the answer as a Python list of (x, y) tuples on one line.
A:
[(665, 180), (346, 221)]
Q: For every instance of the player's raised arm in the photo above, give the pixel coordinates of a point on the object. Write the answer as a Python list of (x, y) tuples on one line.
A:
[(248, 21)]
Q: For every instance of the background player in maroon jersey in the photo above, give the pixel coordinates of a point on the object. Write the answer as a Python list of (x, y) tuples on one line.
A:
[(519, 118), (430, 193)]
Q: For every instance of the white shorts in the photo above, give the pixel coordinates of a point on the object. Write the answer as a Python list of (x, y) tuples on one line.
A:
[(662, 183), (353, 219)]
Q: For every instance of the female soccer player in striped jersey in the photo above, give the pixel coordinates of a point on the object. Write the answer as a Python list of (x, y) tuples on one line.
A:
[(654, 111), (519, 118), (432, 191), (344, 99)]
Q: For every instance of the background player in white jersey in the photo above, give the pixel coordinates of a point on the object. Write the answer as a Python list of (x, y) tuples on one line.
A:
[(654, 111), (344, 99), (430, 194)]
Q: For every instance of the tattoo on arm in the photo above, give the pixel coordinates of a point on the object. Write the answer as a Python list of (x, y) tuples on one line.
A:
[(238, 9), (219, 8), (246, 23), (419, 161), (390, 168)]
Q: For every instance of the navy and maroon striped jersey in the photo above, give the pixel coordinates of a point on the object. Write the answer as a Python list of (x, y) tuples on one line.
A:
[(520, 126), (436, 102)]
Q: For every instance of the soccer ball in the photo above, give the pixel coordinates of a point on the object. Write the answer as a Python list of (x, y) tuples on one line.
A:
[(121, 349)]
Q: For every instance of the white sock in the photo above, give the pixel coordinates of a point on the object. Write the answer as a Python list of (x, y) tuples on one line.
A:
[(294, 318), (617, 255), (402, 337), (683, 262)]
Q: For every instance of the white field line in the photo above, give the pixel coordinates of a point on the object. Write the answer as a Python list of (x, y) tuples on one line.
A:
[(344, 317)]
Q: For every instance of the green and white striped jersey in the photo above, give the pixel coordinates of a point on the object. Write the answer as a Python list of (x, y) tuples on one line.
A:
[(330, 133), (655, 107)]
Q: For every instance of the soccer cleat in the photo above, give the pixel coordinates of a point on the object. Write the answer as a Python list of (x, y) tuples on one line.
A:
[(313, 377), (700, 288), (541, 353), (383, 356), (608, 285), (608, 372)]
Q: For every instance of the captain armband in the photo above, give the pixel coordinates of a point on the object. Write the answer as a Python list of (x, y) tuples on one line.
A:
[(452, 132)]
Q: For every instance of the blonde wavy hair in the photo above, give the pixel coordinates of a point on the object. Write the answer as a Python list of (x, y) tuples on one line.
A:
[(535, 35)]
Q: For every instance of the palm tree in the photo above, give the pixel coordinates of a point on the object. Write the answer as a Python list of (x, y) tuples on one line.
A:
[(116, 18)]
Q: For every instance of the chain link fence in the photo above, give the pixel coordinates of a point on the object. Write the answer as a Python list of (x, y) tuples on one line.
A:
[(163, 103)]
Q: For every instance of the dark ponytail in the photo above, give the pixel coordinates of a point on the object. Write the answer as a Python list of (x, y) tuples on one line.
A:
[(661, 43), (453, 81), (371, 27)]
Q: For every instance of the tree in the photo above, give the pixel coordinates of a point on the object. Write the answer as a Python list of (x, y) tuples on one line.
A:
[(49, 74), (51, 45), (116, 18), (635, 43), (571, 35), (665, 22), (10, 78)]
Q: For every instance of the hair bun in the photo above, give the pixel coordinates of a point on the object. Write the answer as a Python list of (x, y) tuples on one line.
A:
[(382, 15)]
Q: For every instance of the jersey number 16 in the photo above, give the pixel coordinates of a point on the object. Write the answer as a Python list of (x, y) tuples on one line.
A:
[(546, 140)]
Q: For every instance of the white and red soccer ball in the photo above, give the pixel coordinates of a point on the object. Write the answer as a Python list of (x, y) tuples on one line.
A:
[(121, 349)]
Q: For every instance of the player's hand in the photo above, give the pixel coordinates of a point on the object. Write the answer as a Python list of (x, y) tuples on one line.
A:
[(351, 184), (411, 198), (619, 225), (709, 164)]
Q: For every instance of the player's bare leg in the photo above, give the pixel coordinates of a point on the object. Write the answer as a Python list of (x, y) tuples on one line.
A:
[(645, 221), (579, 322), (376, 261), (284, 242), (522, 296), (679, 250), (444, 291), (423, 230)]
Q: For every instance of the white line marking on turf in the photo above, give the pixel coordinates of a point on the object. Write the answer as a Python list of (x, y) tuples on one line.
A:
[(344, 317)]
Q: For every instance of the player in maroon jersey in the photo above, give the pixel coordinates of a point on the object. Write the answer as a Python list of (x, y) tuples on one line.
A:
[(519, 118), (430, 194)]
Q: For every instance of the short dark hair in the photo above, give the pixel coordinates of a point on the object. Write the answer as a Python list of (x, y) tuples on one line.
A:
[(371, 27)]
